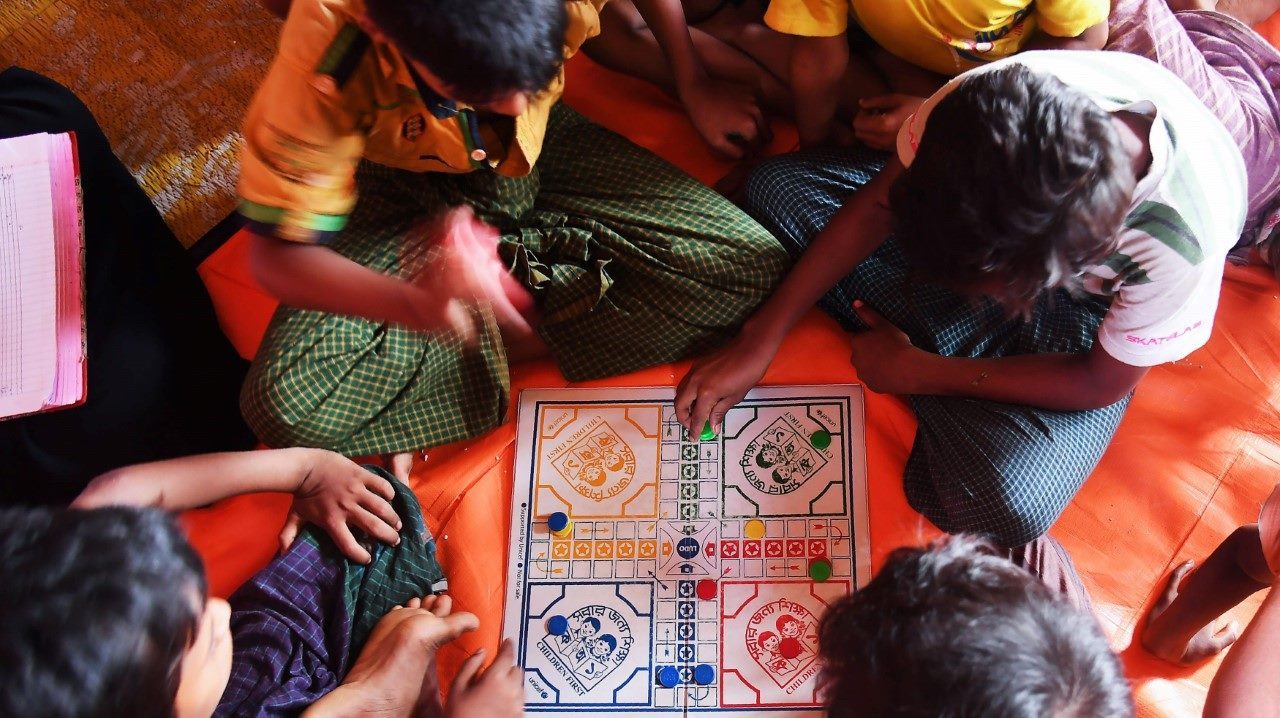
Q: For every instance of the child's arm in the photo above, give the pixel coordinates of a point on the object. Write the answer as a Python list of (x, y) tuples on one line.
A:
[(818, 65), (719, 380), (1180, 628), (1069, 25), (329, 490), (1093, 38), (888, 363), (727, 116), (1246, 684)]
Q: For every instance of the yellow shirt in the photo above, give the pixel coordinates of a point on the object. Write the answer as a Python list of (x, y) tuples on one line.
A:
[(945, 36), (335, 95)]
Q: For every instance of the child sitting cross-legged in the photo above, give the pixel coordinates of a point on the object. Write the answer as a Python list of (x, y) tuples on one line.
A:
[(1044, 235), (955, 629), (104, 612)]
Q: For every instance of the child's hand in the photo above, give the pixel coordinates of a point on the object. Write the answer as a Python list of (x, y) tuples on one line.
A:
[(337, 495), (719, 380), (879, 118), (728, 117), (466, 271), (395, 674), (497, 693), (883, 355)]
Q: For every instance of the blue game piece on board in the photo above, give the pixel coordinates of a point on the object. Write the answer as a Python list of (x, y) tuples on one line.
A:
[(669, 677), (704, 675), (558, 521), (558, 625)]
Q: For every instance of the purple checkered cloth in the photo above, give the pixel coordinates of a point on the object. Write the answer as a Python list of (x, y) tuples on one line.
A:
[(291, 634), (1233, 69), (298, 624)]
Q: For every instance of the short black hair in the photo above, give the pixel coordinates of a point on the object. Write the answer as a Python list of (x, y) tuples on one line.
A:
[(1017, 177), (957, 630), (481, 49), (97, 609)]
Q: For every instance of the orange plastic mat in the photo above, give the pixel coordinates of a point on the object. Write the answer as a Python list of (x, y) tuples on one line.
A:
[(1197, 453)]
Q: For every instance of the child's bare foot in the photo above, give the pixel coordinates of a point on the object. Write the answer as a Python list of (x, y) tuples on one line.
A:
[(1250, 12), (395, 675), (1167, 645)]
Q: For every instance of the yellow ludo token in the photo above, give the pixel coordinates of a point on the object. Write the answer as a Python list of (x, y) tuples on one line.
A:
[(754, 529)]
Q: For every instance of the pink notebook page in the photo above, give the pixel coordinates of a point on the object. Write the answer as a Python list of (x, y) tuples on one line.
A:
[(68, 230), (28, 276)]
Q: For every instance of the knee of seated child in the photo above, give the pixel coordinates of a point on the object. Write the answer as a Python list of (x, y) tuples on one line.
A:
[(105, 614), (956, 629)]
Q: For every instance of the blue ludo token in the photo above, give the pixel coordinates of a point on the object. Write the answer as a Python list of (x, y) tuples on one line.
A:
[(558, 521), (669, 677), (704, 675), (558, 625)]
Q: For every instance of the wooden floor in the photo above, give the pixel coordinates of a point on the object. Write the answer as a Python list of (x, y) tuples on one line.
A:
[(168, 80)]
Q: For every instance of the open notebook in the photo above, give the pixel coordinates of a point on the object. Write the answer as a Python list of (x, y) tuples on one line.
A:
[(42, 339)]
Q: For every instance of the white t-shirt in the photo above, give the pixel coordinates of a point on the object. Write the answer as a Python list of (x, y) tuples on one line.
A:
[(1187, 212)]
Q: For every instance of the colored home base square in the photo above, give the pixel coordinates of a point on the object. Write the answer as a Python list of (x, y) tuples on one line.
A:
[(693, 571)]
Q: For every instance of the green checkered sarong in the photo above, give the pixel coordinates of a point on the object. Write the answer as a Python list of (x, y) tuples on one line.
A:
[(632, 263)]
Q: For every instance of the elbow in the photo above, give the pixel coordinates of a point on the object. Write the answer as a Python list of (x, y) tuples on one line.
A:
[(101, 491)]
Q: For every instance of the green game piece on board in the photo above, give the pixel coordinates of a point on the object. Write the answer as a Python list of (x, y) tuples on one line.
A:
[(820, 439), (707, 433), (819, 569)]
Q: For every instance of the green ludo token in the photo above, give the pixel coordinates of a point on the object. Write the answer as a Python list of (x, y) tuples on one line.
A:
[(819, 569), (708, 433), (820, 439)]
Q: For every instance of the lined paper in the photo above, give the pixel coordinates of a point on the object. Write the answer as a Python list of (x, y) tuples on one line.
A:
[(41, 307)]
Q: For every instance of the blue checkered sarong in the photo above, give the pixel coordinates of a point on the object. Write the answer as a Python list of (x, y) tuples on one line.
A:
[(1003, 470)]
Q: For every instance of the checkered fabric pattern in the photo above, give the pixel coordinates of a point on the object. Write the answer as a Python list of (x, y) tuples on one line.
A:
[(1233, 69), (299, 624), (1003, 470), (632, 263)]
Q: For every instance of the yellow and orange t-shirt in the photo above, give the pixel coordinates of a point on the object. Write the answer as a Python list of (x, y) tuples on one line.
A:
[(945, 36), (335, 95)]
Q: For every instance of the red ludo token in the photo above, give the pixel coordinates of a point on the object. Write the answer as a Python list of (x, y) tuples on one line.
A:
[(706, 589), (789, 648)]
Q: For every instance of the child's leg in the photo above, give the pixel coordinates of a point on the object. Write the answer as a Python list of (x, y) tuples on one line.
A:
[(626, 44), (644, 264), (1048, 560), (364, 388), (1003, 470), (1231, 68), (1180, 629), (1249, 12)]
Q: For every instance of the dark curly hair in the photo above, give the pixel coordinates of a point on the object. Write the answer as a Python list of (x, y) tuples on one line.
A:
[(481, 49), (97, 609), (955, 630), (1019, 179)]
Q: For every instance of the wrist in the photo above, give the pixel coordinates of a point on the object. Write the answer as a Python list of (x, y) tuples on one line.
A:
[(690, 80), (764, 333)]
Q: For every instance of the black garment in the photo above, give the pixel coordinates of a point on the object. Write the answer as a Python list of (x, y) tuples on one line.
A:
[(163, 380)]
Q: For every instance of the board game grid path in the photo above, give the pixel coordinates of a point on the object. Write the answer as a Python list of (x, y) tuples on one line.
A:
[(651, 572)]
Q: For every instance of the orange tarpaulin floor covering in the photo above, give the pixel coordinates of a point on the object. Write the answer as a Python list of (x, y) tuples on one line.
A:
[(1197, 453)]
